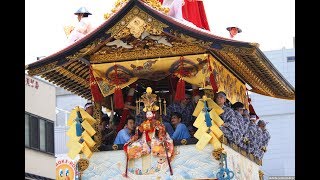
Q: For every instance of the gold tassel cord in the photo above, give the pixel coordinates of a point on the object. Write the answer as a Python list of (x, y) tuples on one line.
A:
[(165, 107), (160, 106)]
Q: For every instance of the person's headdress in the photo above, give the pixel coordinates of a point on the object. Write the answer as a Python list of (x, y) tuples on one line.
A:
[(221, 93), (82, 10), (233, 31), (149, 100), (253, 116), (87, 105), (262, 122)]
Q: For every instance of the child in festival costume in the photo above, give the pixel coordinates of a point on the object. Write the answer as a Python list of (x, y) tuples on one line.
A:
[(151, 135)]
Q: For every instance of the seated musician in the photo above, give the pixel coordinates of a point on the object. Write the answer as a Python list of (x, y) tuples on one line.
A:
[(185, 108), (88, 107), (125, 134), (181, 131), (108, 130)]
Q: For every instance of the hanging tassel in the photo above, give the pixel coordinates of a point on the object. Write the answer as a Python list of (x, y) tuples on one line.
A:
[(251, 109), (207, 115), (78, 129), (181, 85), (173, 80), (212, 79), (95, 91), (180, 91), (213, 83), (126, 111), (78, 124), (118, 98)]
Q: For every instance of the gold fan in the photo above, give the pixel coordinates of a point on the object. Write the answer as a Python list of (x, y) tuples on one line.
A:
[(68, 30)]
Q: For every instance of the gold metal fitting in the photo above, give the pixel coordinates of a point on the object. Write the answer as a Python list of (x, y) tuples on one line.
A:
[(115, 147), (184, 141)]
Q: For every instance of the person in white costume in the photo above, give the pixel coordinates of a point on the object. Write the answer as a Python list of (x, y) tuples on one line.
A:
[(82, 28), (175, 8)]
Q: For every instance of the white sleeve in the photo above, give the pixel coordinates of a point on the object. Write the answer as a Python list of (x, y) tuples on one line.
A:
[(81, 27), (175, 8)]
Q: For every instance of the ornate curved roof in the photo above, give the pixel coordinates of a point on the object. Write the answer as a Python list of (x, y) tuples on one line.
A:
[(138, 31)]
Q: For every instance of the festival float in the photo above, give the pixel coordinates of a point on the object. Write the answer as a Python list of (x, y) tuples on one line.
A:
[(139, 44)]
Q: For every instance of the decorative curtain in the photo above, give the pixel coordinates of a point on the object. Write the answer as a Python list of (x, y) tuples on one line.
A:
[(195, 71)]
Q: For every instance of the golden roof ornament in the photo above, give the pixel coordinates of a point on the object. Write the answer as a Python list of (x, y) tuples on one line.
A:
[(117, 5), (120, 3), (149, 100), (157, 5)]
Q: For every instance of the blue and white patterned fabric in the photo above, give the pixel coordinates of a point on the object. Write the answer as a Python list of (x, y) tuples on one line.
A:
[(242, 124), (251, 135), (258, 144), (264, 143), (231, 131)]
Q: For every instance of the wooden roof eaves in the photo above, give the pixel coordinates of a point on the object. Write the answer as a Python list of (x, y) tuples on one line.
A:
[(263, 93), (268, 63), (79, 68), (272, 91), (73, 76), (216, 56), (63, 78)]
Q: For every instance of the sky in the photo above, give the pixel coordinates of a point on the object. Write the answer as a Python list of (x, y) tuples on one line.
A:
[(271, 23)]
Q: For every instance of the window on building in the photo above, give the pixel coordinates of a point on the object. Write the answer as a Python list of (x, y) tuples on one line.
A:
[(39, 133), (50, 137), (42, 128), (26, 130), (34, 132), (291, 58)]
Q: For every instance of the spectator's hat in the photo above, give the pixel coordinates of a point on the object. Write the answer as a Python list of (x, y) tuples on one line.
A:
[(233, 27), (82, 10), (222, 93), (88, 104), (253, 117)]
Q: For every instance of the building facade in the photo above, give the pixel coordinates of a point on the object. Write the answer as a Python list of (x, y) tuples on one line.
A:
[(279, 159), (40, 116)]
